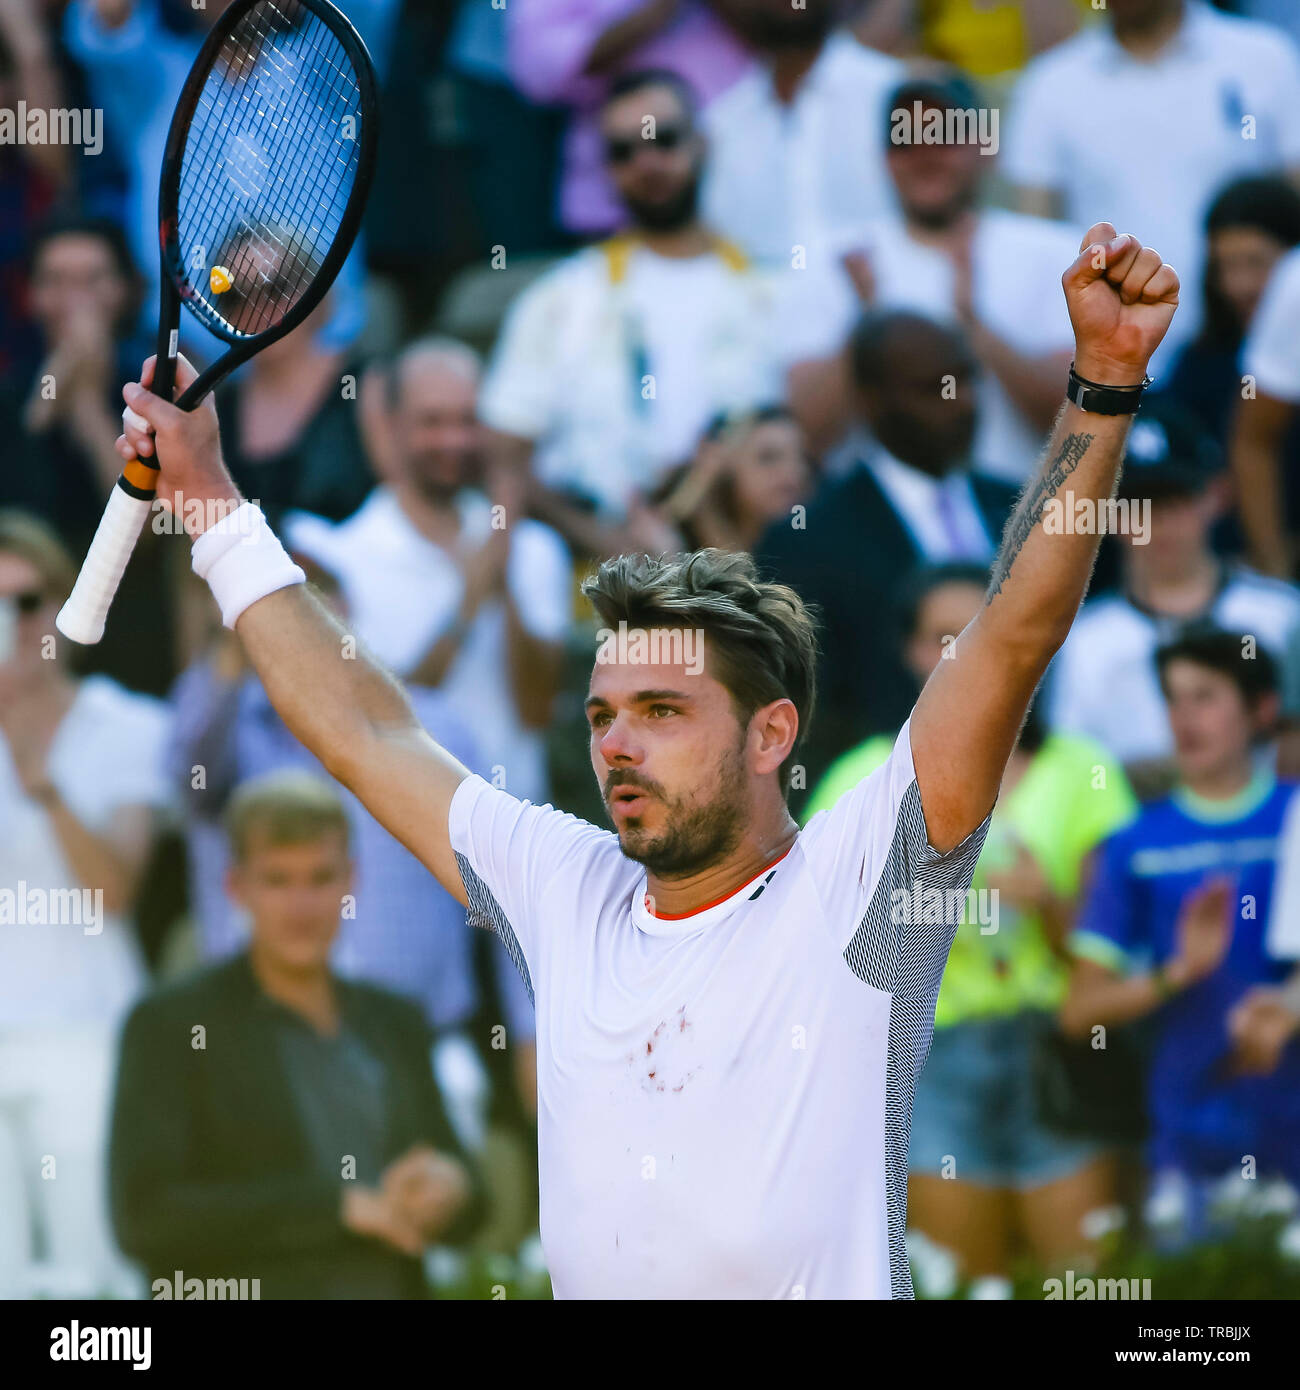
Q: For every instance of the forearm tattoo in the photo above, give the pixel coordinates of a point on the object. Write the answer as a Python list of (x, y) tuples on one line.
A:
[(1029, 511)]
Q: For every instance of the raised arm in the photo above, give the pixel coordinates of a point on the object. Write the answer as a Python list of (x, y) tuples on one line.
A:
[(335, 699), (1121, 298)]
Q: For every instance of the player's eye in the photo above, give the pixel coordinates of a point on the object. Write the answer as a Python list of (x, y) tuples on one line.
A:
[(600, 718), (659, 711)]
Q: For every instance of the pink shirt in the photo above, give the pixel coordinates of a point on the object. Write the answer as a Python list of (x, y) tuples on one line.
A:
[(549, 44)]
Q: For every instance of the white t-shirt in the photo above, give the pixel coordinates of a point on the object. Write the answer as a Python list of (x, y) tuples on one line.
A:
[(403, 591), (808, 174), (1017, 264), (1147, 145), (1272, 351), (1104, 685), (614, 373), (724, 1098), (107, 754)]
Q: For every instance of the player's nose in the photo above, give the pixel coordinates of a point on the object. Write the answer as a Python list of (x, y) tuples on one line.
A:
[(617, 746)]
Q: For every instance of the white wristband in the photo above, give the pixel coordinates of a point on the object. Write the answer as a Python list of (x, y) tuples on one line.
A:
[(242, 560)]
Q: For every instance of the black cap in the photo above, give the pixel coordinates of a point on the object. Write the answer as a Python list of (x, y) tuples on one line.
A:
[(1169, 453), (949, 88)]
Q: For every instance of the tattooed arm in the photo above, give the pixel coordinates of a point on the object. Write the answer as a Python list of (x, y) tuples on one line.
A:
[(1121, 299)]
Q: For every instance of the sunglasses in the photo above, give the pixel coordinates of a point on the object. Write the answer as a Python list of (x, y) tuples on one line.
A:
[(27, 602), (623, 150)]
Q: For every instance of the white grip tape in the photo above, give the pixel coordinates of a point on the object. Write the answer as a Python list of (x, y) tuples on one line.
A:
[(242, 560), (82, 618)]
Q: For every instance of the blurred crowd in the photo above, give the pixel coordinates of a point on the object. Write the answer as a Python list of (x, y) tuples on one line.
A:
[(650, 275)]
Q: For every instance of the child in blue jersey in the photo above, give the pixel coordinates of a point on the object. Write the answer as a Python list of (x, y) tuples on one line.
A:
[(1175, 923)]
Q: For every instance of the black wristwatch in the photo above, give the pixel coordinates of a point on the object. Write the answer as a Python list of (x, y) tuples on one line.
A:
[(1104, 400)]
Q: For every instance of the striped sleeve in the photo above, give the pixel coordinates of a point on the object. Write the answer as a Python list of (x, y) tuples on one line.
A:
[(899, 898), (521, 866)]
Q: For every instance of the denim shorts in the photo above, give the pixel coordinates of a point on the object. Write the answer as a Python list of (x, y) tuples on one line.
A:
[(975, 1117)]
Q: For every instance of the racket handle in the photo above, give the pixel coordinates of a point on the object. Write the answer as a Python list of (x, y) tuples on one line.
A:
[(82, 618)]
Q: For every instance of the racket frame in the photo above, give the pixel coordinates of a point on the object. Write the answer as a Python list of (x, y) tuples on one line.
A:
[(173, 290), (83, 616)]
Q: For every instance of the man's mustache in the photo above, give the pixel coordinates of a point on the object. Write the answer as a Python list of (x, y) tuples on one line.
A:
[(630, 779)]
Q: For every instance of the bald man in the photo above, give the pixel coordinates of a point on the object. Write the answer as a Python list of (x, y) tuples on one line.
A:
[(911, 497), (445, 584)]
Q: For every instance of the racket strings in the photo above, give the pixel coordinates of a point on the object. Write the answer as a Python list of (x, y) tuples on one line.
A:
[(270, 161)]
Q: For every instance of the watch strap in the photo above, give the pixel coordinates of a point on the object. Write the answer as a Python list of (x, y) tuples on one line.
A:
[(1098, 399)]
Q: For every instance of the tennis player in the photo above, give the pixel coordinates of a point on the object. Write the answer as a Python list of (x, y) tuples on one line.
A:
[(731, 1012)]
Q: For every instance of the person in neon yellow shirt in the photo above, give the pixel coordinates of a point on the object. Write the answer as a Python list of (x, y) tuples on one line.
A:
[(984, 1168)]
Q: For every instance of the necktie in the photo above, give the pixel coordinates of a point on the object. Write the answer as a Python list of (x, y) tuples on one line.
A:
[(958, 541)]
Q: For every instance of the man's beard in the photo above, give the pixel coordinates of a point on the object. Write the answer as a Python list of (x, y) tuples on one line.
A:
[(938, 219), (437, 487), (696, 836), (670, 215)]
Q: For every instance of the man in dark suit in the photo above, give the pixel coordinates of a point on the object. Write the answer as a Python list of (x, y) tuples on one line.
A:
[(910, 497), (276, 1122)]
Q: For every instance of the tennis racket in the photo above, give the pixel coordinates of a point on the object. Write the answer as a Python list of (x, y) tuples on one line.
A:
[(264, 179)]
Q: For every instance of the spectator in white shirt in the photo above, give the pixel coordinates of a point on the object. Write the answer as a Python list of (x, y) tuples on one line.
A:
[(448, 586), (996, 273), (796, 163), (1267, 411), (1103, 683), (1199, 96), (611, 365), (81, 778)]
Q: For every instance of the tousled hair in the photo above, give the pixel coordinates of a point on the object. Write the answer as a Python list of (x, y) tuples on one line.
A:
[(762, 636)]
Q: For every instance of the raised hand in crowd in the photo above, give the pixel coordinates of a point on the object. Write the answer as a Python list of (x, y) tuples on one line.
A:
[(1204, 933)]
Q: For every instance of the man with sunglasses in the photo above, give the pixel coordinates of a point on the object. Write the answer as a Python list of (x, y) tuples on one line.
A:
[(611, 365)]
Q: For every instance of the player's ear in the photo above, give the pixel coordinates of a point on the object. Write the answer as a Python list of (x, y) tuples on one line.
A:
[(774, 730)]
